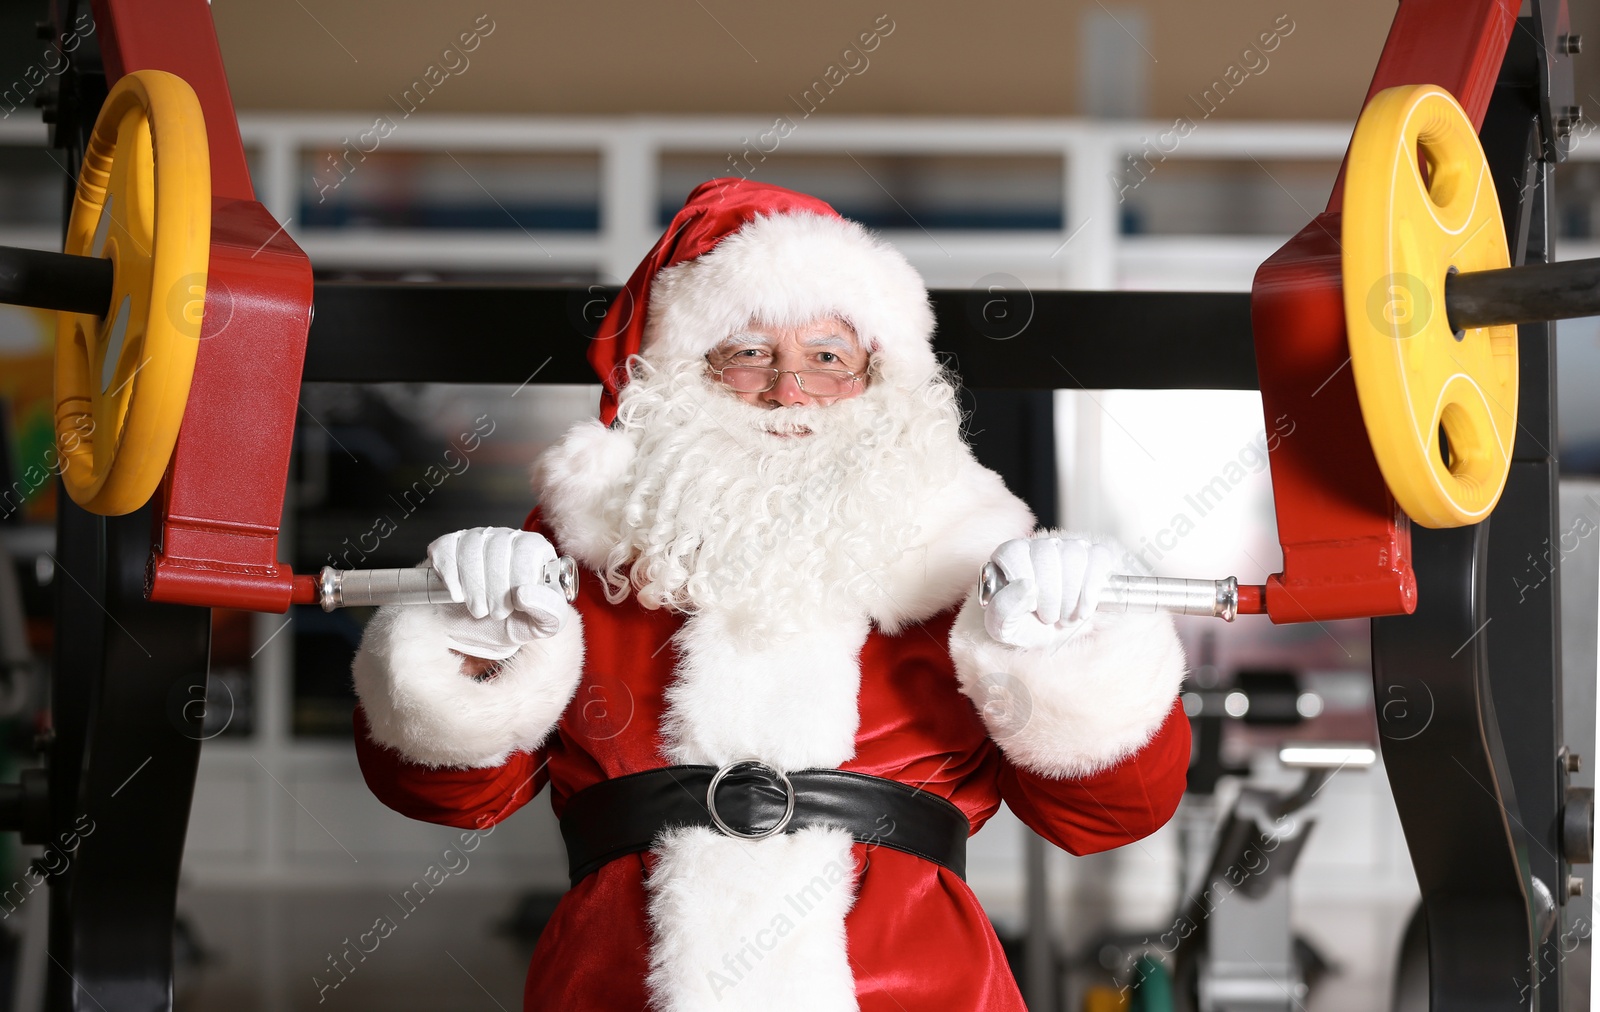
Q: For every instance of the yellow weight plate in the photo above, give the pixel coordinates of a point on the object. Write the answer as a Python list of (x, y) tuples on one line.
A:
[(122, 380), (1419, 202)]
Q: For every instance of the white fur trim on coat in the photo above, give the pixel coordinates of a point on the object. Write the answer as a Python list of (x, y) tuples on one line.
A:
[(419, 703), (572, 479), (751, 926), (1078, 708), (791, 703), (789, 269), (962, 527)]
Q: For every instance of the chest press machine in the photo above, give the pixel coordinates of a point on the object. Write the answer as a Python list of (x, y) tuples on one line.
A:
[(1406, 330)]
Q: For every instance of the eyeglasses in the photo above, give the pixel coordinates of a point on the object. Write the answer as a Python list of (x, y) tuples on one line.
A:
[(748, 379)]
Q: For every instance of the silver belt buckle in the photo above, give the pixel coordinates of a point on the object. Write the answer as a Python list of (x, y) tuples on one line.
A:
[(727, 830)]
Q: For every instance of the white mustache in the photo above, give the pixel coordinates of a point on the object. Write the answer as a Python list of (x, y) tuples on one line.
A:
[(715, 514), (779, 426)]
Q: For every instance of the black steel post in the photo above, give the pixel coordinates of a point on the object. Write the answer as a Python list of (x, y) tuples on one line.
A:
[(1524, 605), (128, 694), (1013, 433), (1447, 768), (1535, 293), (1468, 688), (125, 740), (59, 281)]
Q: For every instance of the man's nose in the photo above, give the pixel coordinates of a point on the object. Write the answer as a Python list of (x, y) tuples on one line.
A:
[(787, 391)]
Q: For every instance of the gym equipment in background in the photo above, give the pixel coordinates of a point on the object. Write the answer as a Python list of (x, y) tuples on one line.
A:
[(208, 537)]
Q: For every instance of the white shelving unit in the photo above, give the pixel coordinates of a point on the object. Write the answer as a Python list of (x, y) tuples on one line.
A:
[(273, 812)]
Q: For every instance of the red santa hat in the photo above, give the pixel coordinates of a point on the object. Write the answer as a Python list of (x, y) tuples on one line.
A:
[(741, 250)]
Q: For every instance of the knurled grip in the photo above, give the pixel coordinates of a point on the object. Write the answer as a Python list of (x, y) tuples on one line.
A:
[(1144, 595), (347, 588)]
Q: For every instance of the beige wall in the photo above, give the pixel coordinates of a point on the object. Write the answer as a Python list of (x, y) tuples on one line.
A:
[(1004, 57)]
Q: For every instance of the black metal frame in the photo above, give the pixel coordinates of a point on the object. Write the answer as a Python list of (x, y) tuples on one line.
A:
[(125, 741), (1524, 647), (1469, 712), (392, 332), (127, 671)]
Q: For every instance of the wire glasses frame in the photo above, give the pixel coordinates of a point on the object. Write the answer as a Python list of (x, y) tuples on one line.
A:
[(747, 379)]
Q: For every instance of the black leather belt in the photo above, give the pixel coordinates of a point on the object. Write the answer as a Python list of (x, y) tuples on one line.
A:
[(750, 800)]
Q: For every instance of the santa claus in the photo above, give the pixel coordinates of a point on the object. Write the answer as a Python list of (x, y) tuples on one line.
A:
[(803, 710)]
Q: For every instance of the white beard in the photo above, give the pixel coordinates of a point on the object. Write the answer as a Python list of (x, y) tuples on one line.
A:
[(718, 513)]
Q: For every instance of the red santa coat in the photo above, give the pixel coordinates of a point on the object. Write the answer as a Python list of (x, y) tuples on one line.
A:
[(916, 936)]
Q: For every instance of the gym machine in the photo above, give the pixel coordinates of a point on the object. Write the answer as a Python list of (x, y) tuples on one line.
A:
[(1406, 330)]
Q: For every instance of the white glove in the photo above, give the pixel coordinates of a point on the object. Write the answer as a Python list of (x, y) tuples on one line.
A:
[(497, 574), (1053, 586)]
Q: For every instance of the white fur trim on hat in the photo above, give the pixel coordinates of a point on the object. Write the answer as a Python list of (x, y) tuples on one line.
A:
[(1081, 707), (419, 703), (787, 270)]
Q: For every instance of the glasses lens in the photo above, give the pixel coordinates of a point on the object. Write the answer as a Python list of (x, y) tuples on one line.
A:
[(748, 380), (825, 382)]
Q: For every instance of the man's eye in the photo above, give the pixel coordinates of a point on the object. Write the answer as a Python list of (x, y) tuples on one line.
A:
[(827, 356)]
